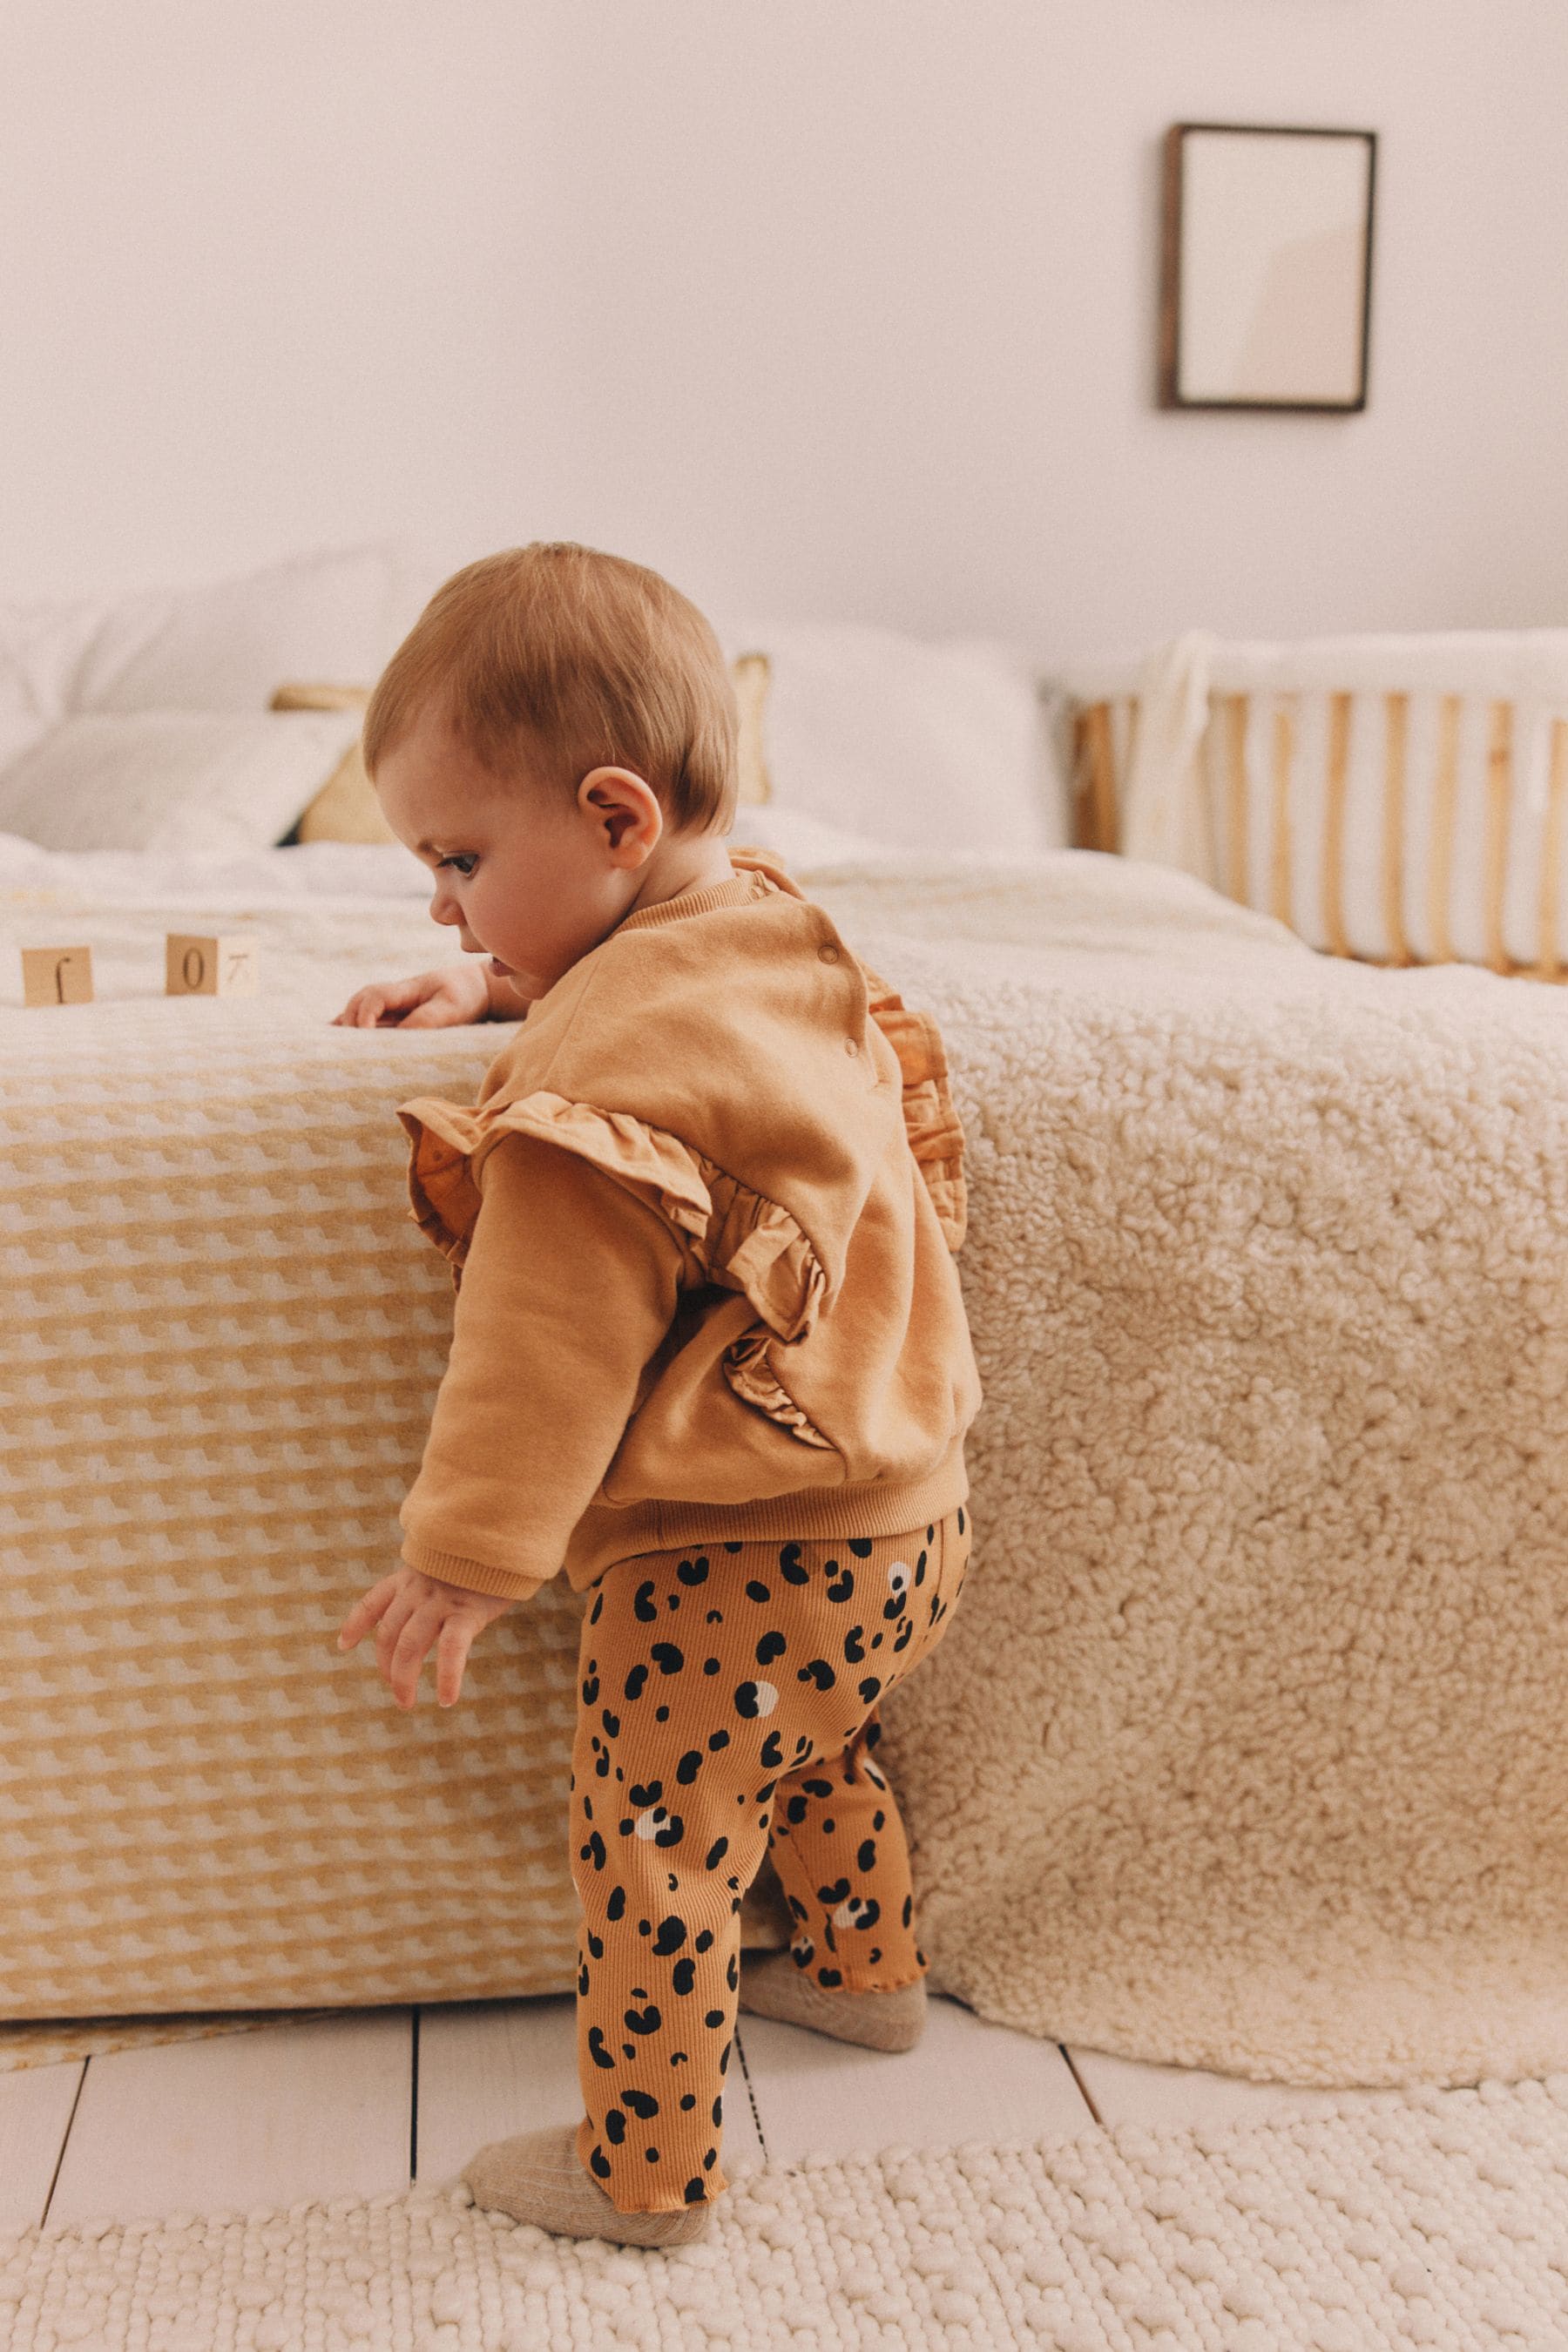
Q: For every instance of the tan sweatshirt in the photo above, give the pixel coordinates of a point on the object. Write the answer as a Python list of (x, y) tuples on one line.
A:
[(702, 1222)]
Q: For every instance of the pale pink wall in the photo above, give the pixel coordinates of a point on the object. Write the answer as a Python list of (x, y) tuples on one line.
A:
[(828, 308)]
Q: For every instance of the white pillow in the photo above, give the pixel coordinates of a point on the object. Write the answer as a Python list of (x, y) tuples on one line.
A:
[(802, 840), (934, 746), (223, 645), (206, 781)]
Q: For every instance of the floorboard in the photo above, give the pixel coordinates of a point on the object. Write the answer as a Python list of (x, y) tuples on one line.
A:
[(321, 2108)]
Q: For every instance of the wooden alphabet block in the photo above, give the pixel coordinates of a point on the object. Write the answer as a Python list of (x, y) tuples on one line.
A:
[(195, 966), (56, 975)]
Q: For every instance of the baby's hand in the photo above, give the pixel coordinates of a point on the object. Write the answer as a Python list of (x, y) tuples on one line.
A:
[(414, 1610), (452, 993)]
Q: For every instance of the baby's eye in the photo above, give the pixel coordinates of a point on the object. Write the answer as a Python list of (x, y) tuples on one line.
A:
[(465, 864)]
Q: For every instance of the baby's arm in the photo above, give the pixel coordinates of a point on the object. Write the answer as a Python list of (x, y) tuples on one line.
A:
[(438, 999)]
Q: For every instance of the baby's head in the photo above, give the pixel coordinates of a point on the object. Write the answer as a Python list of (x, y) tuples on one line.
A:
[(556, 737)]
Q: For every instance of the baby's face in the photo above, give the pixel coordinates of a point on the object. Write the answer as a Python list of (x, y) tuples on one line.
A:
[(529, 878)]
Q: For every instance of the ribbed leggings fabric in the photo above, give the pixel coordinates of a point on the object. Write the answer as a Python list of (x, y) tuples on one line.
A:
[(727, 1709)]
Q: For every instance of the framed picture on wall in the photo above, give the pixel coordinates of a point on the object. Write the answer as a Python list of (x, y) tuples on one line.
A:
[(1266, 282)]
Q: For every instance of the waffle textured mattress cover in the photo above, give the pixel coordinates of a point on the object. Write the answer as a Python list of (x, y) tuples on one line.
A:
[(1244, 1749)]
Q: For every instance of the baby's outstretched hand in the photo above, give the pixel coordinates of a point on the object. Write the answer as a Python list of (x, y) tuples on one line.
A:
[(439, 999), (410, 1612)]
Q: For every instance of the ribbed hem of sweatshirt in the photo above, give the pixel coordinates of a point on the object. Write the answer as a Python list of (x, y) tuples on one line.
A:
[(880, 1507), (453, 1569)]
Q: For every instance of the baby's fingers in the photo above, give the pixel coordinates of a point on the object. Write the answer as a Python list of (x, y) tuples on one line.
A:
[(366, 1612)]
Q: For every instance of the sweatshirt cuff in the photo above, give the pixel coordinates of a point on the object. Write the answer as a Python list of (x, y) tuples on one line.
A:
[(451, 1568)]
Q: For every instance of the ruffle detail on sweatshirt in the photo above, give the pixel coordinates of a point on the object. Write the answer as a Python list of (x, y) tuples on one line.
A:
[(750, 1372), (930, 1120), (737, 1238)]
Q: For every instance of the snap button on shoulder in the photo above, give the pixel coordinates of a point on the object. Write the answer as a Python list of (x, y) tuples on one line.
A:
[(827, 952), (851, 1044)]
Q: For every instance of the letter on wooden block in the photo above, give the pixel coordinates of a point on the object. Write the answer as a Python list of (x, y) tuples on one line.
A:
[(56, 975), (210, 967)]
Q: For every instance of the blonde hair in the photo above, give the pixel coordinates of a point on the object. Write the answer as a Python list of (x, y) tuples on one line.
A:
[(552, 659)]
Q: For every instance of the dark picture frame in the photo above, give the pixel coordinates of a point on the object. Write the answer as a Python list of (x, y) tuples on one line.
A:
[(1250, 323)]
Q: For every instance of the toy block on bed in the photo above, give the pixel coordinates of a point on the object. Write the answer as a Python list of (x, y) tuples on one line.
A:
[(56, 975), (201, 966)]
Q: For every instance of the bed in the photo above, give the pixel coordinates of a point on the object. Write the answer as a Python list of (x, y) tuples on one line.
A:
[(1244, 1749)]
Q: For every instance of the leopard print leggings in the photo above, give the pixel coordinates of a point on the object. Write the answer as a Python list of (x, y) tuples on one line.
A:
[(726, 1708)]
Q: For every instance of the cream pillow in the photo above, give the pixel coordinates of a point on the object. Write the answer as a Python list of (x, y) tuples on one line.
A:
[(346, 808), (209, 782)]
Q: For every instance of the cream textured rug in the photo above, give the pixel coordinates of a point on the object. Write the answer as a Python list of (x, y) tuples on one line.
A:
[(1433, 2220)]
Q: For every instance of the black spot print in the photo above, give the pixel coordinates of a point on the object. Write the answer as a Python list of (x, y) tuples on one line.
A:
[(718, 1849), (614, 2126), (601, 2163), (594, 1851), (686, 1770), (667, 1657), (643, 2021), (772, 1755), (597, 1610), (596, 1945), (757, 1590), (635, 1681), (693, 1571), (709, 1666), (597, 2047), (642, 1606), (714, 2017), (844, 1588), (870, 1688), (616, 1906), (829, 1976), (717, 1739), (611, 1723), (688, 2099), (866, 1855), (861, 1546), (694, 2193), (641, 2103), (746, 1699), (790, 1566), (639, 1794), (590, 1690), (672, 1931), (772, 1645), (854, 1646), (683, 1976)]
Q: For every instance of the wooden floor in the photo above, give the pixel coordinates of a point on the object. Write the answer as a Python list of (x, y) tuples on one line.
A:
[(372, 2102)]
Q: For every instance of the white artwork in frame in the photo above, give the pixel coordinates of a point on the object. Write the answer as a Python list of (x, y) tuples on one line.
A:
[(1266, 297)]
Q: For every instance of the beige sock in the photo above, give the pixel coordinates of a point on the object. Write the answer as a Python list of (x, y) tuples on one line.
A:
[(771, 1986), (538, 2177)]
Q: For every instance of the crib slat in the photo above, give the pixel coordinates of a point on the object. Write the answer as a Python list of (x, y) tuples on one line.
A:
[(1280, 866), (1334, 824), (1097, 779), (1397, 709), (1551, 965), (1499, 787), (1235, 824), (1445, 790)]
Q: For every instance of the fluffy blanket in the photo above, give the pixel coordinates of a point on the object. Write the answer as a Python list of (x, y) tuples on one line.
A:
[(1242, 1749)]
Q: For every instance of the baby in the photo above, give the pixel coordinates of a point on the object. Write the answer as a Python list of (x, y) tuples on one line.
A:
[(708, 1351)]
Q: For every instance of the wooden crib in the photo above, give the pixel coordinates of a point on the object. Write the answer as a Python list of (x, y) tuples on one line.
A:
[(1400, 800)]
